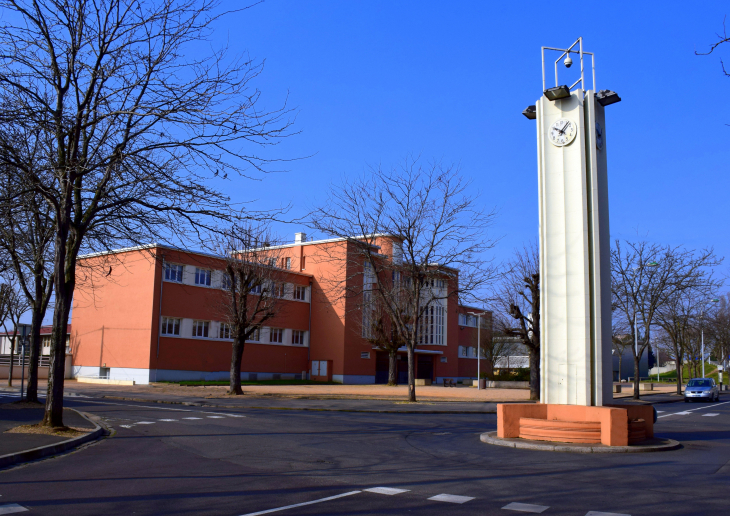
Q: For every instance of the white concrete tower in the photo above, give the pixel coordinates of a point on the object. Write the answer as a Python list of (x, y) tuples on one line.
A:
[(575, 316)]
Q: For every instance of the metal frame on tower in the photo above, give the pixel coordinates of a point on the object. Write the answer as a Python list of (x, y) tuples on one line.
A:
[(568, 51)]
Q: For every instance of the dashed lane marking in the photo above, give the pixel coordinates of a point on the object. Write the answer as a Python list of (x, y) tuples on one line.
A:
[(167, 420), (711, 414), (683, 413), (386, 490), (126, 426), (269, 511), (192, 418), (215, 417), (145, 423), (12, 508), (599, 513), (451, 498), (526, 507)]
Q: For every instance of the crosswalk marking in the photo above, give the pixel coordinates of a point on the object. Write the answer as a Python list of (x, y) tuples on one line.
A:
[(386, 490), (526, 507), (711, 414), (12, 508), (167, 420), (683, 413), (145, 422), (192, 418), (599, 513), (215, 417), (451, 498)]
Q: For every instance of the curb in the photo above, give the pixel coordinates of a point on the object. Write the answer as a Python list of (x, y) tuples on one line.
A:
[(491, 438), (309, 409), (53, 449)]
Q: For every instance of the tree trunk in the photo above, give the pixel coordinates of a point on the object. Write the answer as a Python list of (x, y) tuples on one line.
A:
[(620, 356), (636, 376), (12, 356), (53, 416), (35, 354), (535, 374), (393, 367), (411, 374), (236, 357)]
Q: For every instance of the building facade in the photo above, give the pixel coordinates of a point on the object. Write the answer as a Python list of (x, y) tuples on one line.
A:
[(156, 313)]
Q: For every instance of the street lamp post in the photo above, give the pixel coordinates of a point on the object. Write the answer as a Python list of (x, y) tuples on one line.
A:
[(479, 347)]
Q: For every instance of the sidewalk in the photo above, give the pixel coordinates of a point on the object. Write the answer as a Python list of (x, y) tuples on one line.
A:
[(13, 415)]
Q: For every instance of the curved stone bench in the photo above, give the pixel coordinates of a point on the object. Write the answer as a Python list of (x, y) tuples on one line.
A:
[(586, 432)]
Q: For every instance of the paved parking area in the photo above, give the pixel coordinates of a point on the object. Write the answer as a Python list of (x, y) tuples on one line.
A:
[(194, 460)]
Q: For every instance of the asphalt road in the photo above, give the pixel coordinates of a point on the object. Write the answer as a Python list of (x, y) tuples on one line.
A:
[(170, 460)]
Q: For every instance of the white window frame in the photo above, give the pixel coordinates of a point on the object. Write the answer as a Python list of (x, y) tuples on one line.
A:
[(198, 325), (175, 269), (300, 293), (298, 335), (276, 331), (255, 336), (224, 328), (164, 325), (204, 274), (225, 280)]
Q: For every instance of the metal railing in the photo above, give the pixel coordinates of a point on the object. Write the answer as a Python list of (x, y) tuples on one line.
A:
[(17, 360)]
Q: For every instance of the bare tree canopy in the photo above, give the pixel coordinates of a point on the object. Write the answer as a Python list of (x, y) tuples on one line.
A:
[(416, 237), (646, 278), (253, 285), (518, 297), (134, 122)]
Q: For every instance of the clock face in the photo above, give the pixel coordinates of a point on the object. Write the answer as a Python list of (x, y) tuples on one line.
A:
[(562, 132), (599, 136)]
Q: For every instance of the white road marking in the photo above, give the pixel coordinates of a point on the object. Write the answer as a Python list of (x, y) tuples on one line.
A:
[(660, 411), (302, 504), (167, 420), (526, 507), (386, 490), (126, 426), (145, 422), (12, 508), (685, 412), (215, 417), (451, 498), (192, 418), (164, 408), (599, 513), (711, 414)]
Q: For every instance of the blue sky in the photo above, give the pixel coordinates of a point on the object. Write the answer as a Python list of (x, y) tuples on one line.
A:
[(377, 81)]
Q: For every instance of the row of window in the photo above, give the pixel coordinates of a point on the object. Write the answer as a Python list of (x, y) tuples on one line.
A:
[(172, 326), (471, 320), (203, 277)]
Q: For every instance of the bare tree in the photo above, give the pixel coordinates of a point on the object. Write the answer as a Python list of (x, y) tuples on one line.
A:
[(254, 287), (722, 38), (15, 305), (26, 238), (518, 296), (415, 237), (646, 276), (620, 340), (377, 329), (496, 341), (134, 126), (719, 327)]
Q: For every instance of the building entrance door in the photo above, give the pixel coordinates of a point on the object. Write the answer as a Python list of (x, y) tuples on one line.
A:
[(424, 367)]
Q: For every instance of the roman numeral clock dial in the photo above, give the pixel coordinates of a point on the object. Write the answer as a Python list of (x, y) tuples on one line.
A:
[(562, 132)]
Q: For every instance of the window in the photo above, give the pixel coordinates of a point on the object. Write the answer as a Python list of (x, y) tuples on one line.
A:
[(224, 331), (365, 354), (225, 281), (286, 263), (279, 290), (272, 262), (462, 351), (202, 276), (255, 335), (368, 274), (443, 360), (297, 337), (256, 289), (170, 326), (304, 262), (300, 293), (200, 328), (431, 330), (276, 335), (173, 272), (368, 317)]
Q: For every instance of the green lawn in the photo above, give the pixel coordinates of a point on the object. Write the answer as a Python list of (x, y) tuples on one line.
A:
[(671, 376)]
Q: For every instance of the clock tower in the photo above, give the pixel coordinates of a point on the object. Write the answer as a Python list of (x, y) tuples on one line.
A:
[(576, 395)]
